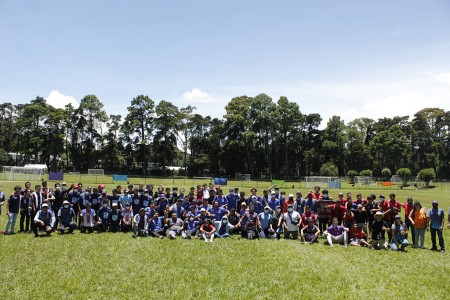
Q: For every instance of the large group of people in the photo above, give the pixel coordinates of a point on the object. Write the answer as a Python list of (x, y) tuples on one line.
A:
[(206, 212)]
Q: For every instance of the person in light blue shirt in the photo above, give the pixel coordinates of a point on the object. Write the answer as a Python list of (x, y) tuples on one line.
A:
[(436, 221), (265, 218)]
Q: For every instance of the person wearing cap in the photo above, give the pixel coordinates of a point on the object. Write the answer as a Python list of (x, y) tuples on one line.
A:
[(174, 225), (336, 233), (115, 217), (408, 207), (103, 217), (436, 221), (12, 210), (66, 216), (127, 218), (224, 228), (208, 230), (399, 232), (26, 206), (87, 217), (379, 227), (140, 225), (291, 222), (310, 232), (289, 201), (419, 220), (44, 220), (265, 218)]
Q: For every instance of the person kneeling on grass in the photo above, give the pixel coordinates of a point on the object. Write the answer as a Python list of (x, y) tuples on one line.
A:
[(399, 232), (44, 220), (309, 232), (357, 235), (140, 226), (224, 228), (174, 225), (207, 230), (190, 228), (87, 216), (66, 217), (336, 233), (379, 227), (127, 220)]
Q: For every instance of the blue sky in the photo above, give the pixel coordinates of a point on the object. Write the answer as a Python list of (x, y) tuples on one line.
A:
[(351, 58)]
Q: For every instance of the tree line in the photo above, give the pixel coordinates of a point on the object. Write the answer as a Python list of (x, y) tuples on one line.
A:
[(256, 136)]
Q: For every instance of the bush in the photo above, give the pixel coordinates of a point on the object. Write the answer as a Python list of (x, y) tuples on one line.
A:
[(366, 173), (329, 169), (351, 175), (405, 174), (386, 173), (427, 175)]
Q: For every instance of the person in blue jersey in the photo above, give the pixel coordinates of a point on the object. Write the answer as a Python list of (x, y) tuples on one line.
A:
[(311, 203), (146, 199), (277, 193), (436, 221), (265, 218), (103, 217), (126, 197), (204, 204), (191, 226), (140, 225), (26, 206), (136, 203), (193, 211), (66, 216), (249, 224), (223, 202), (186, 204), (156, 226), (162, 204), (114, 199), (94, 198), (273, 202), (216, 213), (232, 199), (115, 217), (44, 220), (250, 198), (256, 204), (178, 209), (12, 210), (127, 220), (87, 217)]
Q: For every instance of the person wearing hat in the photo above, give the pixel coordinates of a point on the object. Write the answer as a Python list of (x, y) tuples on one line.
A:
[(265, 218), (436, 221), (291, 222), (115, 217), (208, 230), (379, 227), (66, 216), (127, 218), (44, 220), (140, 225), (12, 209), (87, 217), (310, 232), (399, 232), (419, 220), (408, 207)]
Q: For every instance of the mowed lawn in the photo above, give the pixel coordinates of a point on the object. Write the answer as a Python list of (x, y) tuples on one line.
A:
[(116, 266)]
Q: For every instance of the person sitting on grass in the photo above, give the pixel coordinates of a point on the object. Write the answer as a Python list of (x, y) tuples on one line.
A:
[(66, 216), (310, 232), (156, 226), (251, 217), (126, 222), (44, 220), (379, 227), (399, 232), (190, 228), (140, 226), (174, 225), (224, 228), (357, 236), (87, 216), (336, 233), (207, 230)]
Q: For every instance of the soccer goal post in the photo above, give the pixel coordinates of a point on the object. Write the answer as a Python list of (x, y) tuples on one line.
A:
[(322, 181), (243, 177), (26, 173), (364, 180), (96, 172)]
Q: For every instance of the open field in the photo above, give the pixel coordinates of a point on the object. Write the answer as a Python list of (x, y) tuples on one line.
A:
[(115, 266)]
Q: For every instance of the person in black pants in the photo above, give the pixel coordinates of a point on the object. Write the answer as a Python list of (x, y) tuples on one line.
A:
[(25, 211)]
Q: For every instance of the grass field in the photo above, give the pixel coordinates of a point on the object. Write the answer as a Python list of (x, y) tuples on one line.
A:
[(115, 266)]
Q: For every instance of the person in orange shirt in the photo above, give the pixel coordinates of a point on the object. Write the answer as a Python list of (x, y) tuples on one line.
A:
[(418, 218)]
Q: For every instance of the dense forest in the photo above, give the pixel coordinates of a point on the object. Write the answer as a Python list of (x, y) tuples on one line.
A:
[(256, 136)]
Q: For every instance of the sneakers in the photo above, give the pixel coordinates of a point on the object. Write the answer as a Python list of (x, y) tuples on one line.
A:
[(434, 249), (442, 250)]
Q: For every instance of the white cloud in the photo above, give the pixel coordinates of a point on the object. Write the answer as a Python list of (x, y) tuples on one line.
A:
[(58, 100), (443, 77), (197, 95)]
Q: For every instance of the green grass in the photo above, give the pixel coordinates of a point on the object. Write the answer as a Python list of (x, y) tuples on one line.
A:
[(115, 266)]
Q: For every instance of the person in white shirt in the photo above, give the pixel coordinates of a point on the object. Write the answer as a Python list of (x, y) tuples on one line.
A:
[(140, 226), (291, 222), (44, 220), (87, 219)]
